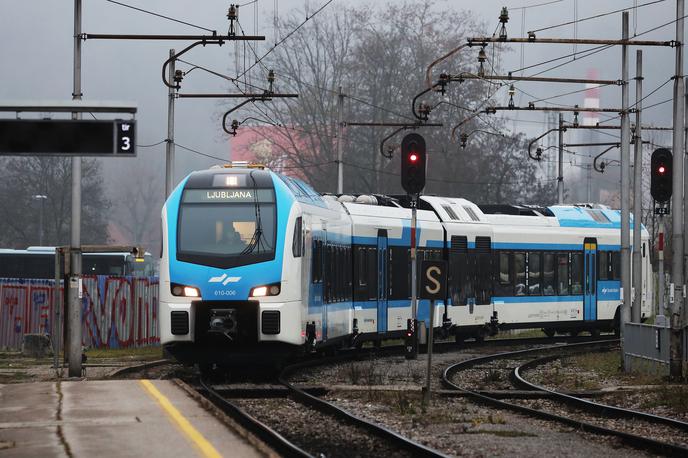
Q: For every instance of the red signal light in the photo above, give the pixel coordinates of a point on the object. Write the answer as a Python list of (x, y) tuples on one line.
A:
[(413, 157), (661, 169)]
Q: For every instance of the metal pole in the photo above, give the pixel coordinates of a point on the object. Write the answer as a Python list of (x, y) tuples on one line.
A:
[(340, 142), (677, 204), (560, 176), (414, 279), (624, 315), (637, 190), (169, 147), (57, 304), (426, 392), (685, 193), (74, 320), (662, 280), (40, 221), (588, 186)]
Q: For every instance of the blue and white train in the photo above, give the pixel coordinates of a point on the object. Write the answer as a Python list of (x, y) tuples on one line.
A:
[(258, 264)]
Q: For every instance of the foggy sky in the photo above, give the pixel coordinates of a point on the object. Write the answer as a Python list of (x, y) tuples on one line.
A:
[(37, 53)]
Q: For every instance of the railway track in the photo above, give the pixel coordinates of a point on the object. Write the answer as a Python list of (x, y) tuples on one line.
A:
[(583, 414), (297, 423)]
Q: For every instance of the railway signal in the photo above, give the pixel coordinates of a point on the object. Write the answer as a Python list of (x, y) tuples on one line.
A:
[(413, 160), (661, 180)]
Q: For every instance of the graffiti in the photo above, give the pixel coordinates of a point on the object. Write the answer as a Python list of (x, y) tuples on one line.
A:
[(117, 312)]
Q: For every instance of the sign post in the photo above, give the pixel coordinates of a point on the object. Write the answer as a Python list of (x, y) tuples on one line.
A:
[(433, 287)]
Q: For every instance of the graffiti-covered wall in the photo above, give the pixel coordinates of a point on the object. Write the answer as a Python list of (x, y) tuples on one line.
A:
[(117, 312)]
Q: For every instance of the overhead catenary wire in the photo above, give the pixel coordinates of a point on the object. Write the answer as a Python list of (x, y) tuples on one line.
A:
[(169, 18), (578, 21), (286, 37)]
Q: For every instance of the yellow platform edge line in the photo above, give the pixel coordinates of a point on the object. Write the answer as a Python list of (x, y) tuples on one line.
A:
[(196, 437)]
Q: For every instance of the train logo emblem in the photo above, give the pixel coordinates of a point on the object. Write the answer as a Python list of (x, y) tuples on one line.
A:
[(224, 279)]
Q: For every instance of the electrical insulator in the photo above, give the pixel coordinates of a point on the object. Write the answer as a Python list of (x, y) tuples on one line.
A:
[(512, 91), (503, 19), (424, 111), (271, 80), (538, 154), (232, 15), (482, 57), (602, 166), (178, 77), (575, 117), (464, 139)]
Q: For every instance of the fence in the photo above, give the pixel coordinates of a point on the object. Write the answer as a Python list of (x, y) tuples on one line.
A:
[(646, 347), (117, 312)]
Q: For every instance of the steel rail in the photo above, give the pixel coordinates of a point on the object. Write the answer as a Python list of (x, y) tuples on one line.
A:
[(329, 408), (631, 439), (602, 409), (268, 435)]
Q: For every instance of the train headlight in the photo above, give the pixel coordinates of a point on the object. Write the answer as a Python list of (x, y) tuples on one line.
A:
[(266, 290), (186, 291)]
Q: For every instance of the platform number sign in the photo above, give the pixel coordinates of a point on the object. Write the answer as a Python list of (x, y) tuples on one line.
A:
[(433, 280), (126, 136)]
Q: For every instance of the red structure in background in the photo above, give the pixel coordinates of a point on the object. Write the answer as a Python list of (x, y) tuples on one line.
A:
[(269, 145)]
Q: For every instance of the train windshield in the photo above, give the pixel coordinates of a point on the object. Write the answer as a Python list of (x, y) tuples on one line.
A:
[(227, 227)]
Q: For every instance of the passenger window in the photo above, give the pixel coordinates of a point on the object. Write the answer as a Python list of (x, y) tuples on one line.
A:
[(548, 274), (616, 266), (563, 274), (504, 269), (577, 273), (603, 265), (534, 272), (297, 243), (520, 270)]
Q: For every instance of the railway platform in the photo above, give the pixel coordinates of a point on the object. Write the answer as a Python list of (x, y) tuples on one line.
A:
[(151, 418)]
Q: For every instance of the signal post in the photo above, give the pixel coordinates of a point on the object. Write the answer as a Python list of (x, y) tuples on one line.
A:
[(413, 165)]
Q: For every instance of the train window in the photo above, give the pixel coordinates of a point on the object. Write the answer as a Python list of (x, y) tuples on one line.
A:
[(548, 274), (577, 273), (483, 272), (520, 274), (602, 265), (399, 273), (615, 266), (504, 269), (563, 274), (457, 266), (534, 273), (504, 283), (362, 264), (297, 243)]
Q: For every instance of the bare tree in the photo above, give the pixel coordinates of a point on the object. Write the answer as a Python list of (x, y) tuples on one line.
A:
[(24, 178), (379, 60)]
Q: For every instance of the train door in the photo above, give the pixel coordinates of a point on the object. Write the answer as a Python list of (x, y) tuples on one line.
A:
[(382, 279), (590, 284)]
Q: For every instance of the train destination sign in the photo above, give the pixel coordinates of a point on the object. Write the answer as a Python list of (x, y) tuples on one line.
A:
[(202, 196), (68, 137)]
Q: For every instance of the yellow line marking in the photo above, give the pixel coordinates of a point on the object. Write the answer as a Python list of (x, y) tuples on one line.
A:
[(206, 447)]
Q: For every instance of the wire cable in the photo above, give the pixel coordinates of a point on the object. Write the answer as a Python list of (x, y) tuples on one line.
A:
[(577, 21), (160, 15), (164, 140), (286, 37)]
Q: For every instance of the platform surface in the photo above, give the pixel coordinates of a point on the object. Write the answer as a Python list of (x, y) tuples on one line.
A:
[(111, 418)]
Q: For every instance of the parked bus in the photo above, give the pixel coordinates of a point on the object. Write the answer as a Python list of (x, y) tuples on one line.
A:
[(39, 262)]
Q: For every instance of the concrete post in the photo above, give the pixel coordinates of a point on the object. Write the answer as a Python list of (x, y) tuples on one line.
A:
[(675, 363), (625, 185), (560, 175), (74, 320)]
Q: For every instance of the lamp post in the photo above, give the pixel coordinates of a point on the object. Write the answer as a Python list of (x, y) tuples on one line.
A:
[(41, 198)]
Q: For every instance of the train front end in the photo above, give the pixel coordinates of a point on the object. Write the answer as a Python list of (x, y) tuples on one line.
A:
[(224, 294)]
